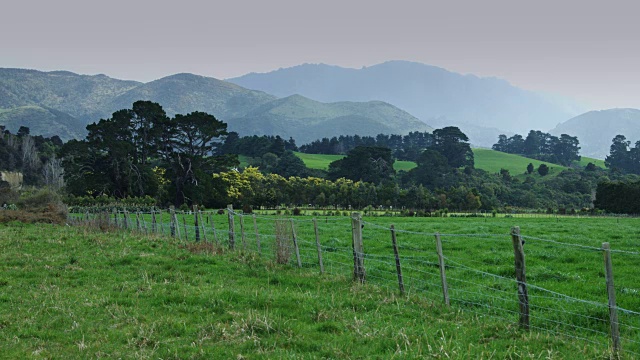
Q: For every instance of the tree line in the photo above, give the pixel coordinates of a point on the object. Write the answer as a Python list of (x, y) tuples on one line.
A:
[(563, 150)]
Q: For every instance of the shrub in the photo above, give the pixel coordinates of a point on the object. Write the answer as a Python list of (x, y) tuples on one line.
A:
[(297, 211)]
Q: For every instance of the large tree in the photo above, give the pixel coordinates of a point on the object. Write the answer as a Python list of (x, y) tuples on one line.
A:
[(364, 163), (453, 144)]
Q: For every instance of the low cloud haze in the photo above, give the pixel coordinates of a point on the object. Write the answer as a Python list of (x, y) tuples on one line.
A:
[(584, 49)]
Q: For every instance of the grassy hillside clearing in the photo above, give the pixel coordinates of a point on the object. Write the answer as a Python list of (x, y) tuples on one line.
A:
[(74, 293)]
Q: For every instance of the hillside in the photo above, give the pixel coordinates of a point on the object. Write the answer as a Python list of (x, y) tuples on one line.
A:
[(596, 129), (185, 93), (306, 120), (62, 97), (485, 159), (83, 97), (427, 92), (42, 121)]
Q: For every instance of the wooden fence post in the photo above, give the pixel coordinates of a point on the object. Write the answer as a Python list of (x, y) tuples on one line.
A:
[(125, 217), (115, 217), (184, 224), (397, 256), (242, 234), (523, 297), (161, 223), (255, 227), (144, 223), (138, 226), (172, 224), (611, 291), (154, 222), (315, 229), (358, 248), (232, 236), (204, 229), (443, 274), (295, 243), (196, 226)]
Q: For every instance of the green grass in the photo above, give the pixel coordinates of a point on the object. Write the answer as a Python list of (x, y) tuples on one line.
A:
[(485, 159), (492, 161), (584, 161), (73, 293)]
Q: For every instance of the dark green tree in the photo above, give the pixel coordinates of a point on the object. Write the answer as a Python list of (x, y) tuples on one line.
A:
[(543, 169), (453, 144), (364, 163)]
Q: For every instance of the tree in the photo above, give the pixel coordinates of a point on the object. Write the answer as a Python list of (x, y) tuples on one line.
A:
[(543, 169), (453, 145), (530, 168), (364, 163)]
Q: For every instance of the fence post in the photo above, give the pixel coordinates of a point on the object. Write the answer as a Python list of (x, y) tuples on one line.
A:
[(255, 227), (172, 222), (161, 223), (232, 235), (144, 223), (204, 229), (196, 226), (154, 223), (611, 291), (125, 216), (523, 297), (315, 229), (397, 256), (138, 226), (115, 217), (443, 274), (242, 234), (295, 243), (358, 248)]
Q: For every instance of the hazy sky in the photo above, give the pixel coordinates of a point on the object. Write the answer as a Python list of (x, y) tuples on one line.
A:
[(589, 50)]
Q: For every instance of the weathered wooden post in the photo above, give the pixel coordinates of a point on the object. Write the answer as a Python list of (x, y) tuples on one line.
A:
[(196, 226), (232, 236), (295, 243), (358, 248), (144, 224), (397, 256), (138, 226), (242, 234), (154, 223), (125, 217), (204, 229), (443, 275), (523, 297), (115, 217), (611, 291), (255, 227), (172, 224), (315, 229)]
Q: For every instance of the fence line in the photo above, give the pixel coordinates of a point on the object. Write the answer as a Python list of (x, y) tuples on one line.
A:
[(484, 288)]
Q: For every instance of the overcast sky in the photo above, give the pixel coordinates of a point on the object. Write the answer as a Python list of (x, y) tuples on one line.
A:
[(589, 50)]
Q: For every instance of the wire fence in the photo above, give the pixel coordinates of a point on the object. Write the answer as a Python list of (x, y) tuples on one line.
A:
[(566, 282)]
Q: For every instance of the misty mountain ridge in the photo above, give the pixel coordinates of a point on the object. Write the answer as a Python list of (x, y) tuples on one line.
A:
[(425, 91), (596, 129)]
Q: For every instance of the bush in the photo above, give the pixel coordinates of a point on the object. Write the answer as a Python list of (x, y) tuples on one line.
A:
[(297, 211), (247, 209)]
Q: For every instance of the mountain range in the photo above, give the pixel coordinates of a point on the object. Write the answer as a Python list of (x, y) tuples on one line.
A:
[(596, 129), (312, 101), (63, 103)]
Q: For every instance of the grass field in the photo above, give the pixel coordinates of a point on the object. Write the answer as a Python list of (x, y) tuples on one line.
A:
[(584, 161), (73, 293)]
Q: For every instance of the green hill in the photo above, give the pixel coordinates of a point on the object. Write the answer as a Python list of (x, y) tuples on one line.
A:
[(485, 159), (42, 121)]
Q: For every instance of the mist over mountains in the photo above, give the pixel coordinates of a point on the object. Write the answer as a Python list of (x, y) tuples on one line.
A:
[(430, 93)]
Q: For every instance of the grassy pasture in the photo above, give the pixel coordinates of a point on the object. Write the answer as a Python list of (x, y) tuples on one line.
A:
[(75, 293)]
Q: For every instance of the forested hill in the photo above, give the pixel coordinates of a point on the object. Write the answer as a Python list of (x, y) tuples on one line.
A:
[(425, 91), (66, 102)]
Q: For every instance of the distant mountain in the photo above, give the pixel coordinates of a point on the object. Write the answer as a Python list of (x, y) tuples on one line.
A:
[(306, 120), (596, 129), (185, 93), (64, 103), (83, 97), (43, 121), (425, 91)]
